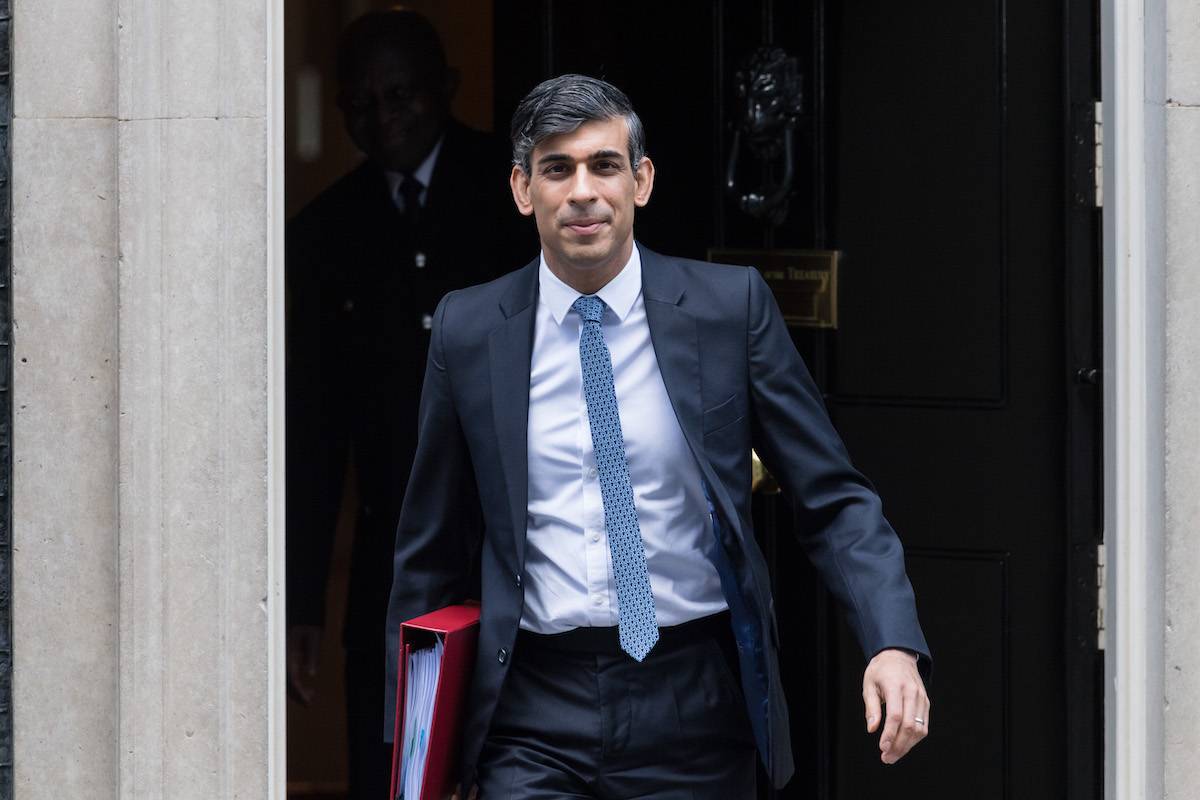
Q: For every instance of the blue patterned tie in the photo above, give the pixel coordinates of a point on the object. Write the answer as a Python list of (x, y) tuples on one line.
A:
[(637, 624)]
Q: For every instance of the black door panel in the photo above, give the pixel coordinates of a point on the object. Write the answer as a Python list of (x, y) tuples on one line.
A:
[(938, 151)]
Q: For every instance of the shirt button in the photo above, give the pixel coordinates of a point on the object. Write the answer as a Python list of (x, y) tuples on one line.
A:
[(595, 537), (597, 600), (502, 656), (591, 473)]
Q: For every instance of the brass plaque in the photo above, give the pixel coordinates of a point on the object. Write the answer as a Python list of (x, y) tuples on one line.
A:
[(805, 282)]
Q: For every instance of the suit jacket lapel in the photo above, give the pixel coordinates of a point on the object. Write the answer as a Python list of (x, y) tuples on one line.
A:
[(676, 343), (675, 335), (510, 347)]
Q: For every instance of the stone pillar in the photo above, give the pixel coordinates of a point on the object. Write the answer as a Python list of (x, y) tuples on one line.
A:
[(1181, 735), (65, 406), (143, 595)]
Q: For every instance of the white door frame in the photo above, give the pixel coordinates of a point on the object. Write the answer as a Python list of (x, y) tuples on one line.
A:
[(276, 220), (1133, 65)]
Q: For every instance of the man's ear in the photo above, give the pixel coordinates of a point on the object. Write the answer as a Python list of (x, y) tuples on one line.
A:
[(643, 179), (519, 182)]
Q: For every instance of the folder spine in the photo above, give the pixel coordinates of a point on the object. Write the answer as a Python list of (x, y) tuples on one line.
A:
[(458, 626)]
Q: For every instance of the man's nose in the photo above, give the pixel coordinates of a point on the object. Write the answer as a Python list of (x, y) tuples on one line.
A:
[(384, 112), (583, 187), (390, 109)]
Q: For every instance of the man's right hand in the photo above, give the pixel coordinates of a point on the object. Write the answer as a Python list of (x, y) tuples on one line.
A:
[(472, 796), (303, 655)]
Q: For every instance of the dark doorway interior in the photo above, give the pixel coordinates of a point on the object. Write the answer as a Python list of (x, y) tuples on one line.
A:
[(318, 153), (945, 152)]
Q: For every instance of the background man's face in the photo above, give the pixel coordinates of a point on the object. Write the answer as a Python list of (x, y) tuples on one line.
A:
[(583, 192), (395, 109)]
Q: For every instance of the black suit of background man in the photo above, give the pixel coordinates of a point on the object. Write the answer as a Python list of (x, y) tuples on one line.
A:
[(363, 279)]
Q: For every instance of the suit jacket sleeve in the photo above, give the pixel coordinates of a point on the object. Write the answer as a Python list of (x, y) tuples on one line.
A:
[(437, 536), (840, 517)]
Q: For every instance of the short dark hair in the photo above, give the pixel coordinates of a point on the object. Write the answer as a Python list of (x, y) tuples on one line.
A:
[(401, 29), (560, 105)]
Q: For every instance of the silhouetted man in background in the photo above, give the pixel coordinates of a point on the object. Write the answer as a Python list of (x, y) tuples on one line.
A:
[(367, 262)]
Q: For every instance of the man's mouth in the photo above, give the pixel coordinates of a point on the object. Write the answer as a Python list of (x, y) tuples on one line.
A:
[(585, 227)]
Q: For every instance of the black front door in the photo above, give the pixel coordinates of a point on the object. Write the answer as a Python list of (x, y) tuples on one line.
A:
[(943, 150)]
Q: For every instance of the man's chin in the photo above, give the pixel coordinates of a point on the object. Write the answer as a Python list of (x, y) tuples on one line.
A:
[(593, 255), (400, 158), (397, 163)]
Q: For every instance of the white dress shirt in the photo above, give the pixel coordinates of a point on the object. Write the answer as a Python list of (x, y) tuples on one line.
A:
[(568, 568)]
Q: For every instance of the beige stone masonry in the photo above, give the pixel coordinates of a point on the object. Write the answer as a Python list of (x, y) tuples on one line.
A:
[(1183, 52), (142, 583), (65, 454), (1181, 639)]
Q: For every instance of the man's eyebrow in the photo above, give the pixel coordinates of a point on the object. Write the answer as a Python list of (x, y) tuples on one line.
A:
[(551, 158)]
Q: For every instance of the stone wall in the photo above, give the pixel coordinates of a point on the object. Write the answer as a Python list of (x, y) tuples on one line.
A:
[(1181, 735), (142, 303)]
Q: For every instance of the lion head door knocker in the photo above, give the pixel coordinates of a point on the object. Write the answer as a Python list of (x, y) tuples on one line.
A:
[(769, 88)]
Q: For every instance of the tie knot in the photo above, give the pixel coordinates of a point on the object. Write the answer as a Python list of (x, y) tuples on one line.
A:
[(590, 307), (409, 194)]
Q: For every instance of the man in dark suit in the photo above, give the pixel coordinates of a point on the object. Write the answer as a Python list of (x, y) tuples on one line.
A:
[(599, 406), (367, 262)]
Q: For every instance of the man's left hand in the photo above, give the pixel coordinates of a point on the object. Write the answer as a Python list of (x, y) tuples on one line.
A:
[(892, 680)]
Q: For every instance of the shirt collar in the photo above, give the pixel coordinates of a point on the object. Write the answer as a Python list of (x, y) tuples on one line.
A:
[(619, 294), (423, 173)]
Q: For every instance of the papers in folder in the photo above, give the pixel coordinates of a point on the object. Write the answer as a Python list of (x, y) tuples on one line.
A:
[(437, 655), (424, 667)]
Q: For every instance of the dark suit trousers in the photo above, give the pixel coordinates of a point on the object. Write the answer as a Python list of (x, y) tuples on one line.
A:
[(578, 718)]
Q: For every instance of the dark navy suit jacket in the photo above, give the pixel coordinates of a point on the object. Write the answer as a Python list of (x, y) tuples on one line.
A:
[(735, 381)]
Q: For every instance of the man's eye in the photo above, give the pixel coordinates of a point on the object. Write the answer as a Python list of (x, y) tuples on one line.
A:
[(607, 166), (554, 169)]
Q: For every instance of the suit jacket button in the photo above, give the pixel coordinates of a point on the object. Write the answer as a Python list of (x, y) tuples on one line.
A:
[(518, 580), (502, 656)]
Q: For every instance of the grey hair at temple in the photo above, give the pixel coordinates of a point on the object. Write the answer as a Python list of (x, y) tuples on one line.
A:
[(560, 105)]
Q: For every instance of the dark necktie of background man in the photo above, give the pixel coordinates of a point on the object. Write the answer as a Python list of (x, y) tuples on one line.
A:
[(408, 199)]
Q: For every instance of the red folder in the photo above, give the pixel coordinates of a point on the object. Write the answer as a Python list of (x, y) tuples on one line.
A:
[(458, 627)]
